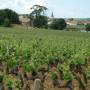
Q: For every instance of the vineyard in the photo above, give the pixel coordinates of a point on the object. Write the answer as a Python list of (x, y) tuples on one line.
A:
[(37, 59)]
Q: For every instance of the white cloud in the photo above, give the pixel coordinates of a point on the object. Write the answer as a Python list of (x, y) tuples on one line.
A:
[(21, 6)]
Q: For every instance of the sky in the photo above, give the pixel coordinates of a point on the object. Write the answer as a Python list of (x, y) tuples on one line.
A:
[(60, 8)]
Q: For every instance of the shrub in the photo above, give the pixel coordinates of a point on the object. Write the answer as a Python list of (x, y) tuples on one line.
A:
[(1, 20), (7, 22), (54, 76), (1, 77), (88, 27), (10, 14), (59, 24)]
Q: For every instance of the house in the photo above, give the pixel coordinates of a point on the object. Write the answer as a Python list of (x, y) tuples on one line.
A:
[(72, 22), (24, 20), (50, 20), (86, 22)]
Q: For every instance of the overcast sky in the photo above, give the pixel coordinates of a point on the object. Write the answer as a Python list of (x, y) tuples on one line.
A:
[(61, 8)]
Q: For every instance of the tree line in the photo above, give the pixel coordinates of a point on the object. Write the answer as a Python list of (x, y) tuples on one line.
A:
[(38, 18)]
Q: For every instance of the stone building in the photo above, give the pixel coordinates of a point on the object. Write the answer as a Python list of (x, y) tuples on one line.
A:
[(24, 20)]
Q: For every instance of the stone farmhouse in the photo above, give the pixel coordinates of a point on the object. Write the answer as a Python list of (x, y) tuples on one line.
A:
[(24, 20)]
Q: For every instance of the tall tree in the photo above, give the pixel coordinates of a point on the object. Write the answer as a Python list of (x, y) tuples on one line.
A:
[(38, 10), (37, 16)]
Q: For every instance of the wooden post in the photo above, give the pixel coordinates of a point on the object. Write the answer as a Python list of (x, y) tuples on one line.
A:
[(38, 85)]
